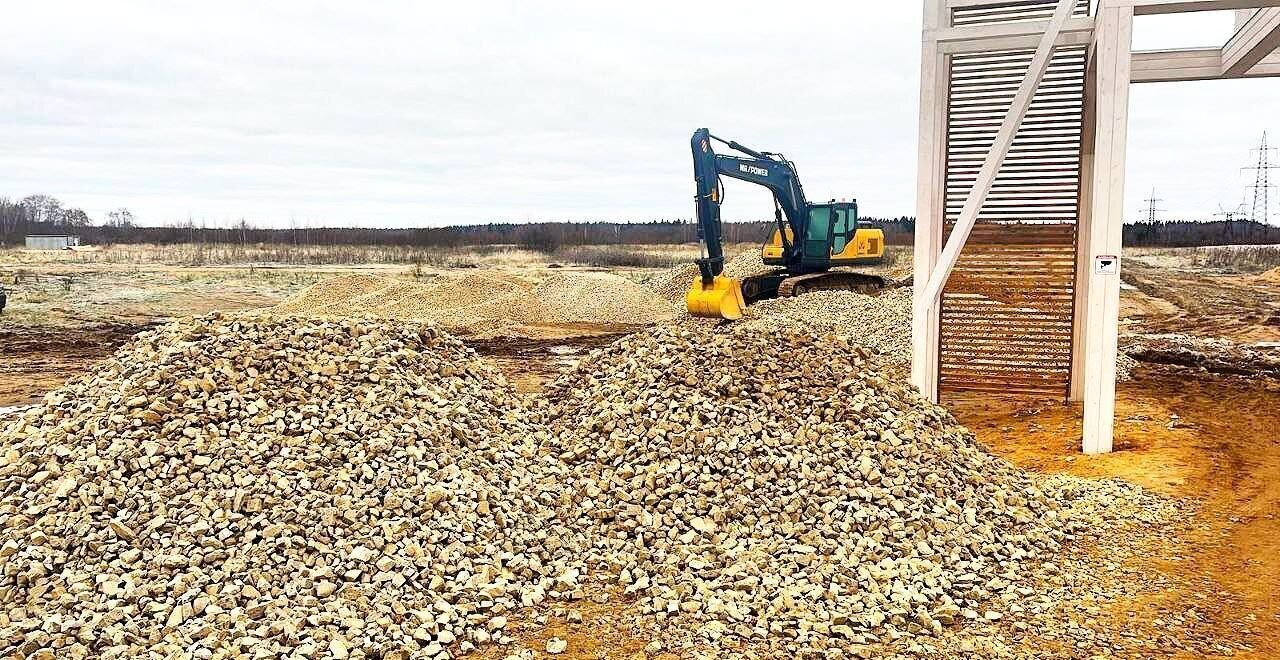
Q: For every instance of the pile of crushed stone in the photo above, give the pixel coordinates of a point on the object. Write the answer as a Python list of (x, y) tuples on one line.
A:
[(296, 487), (773, 486), (600, 298), (469, 302), (882, 323), (673, 284), (277, 487)]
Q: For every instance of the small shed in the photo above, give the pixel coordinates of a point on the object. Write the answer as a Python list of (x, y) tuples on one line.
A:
[(52, 241)]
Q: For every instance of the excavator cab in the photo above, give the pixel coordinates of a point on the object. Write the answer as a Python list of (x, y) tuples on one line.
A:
[(834, 236), (827, 232)]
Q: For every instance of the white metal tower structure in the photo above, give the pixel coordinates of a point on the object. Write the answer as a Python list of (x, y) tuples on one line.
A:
[(1005, 86)]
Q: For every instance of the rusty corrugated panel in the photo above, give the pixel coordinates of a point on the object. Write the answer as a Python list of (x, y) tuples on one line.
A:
[(1007, 310)]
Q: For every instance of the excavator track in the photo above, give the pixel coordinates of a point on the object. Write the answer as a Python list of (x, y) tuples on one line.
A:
[(831, 281)]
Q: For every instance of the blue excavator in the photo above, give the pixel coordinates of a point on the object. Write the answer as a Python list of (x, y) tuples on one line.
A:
[(806, 243)]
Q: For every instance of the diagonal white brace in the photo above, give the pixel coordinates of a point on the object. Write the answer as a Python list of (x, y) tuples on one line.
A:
[(927, 299)]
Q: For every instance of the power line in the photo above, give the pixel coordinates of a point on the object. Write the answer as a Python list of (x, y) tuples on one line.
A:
[(1262, 185), (1150, 211), (1233, 215)]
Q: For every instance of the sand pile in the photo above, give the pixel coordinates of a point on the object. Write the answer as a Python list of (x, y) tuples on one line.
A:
[(483, 300), (600, 298), (458, 303), (276, 488), (473, 301), (774, 486), (336, 291)]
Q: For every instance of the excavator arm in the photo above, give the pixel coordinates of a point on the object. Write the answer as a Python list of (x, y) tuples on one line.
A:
[(771, 171), (713, 294)]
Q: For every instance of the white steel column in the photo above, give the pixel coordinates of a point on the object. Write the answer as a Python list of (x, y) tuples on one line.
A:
[(930, 193), (1088, 136), (1111, 60)]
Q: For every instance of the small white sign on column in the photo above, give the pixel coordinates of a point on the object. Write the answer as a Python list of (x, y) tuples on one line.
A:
[(1106, 264)]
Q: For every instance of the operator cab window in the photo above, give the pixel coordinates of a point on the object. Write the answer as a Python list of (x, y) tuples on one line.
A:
[(841, 231), (816, 243)]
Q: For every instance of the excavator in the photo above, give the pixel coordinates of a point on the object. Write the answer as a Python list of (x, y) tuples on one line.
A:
[(806, 243)]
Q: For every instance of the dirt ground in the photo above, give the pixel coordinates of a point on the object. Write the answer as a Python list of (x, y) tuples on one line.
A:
[(1163, 298), (40, 359), (530, 363), (1187, 438), (61, 319), (1211, 440)]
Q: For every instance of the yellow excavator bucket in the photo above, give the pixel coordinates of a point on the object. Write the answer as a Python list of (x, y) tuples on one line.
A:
[(722, 300)]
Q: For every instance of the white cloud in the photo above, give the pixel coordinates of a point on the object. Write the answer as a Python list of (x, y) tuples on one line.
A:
[(425, 113)]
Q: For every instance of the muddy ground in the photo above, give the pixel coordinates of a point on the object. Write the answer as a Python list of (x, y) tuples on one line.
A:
[(39, 359), (1208, 438), (1164, 299)]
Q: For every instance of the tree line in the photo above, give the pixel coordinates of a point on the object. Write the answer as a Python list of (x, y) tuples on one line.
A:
[(42, 214)]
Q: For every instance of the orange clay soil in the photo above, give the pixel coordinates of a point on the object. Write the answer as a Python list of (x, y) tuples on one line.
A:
[(1213, 441)]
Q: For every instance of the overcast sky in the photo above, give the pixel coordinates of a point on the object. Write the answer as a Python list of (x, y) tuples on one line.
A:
[(411, 113)]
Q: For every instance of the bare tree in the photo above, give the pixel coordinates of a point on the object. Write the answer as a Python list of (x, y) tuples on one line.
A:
[(120, 218), (76, 218), (42, 209)]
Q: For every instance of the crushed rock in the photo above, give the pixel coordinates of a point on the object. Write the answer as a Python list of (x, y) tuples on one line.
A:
[(483, 301), (776, 487), (882, 322), (234, 485), (600, 298), (360, 488)]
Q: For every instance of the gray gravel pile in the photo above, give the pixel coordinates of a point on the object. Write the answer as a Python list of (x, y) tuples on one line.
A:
[(880, 322), (276, 488), (746, 264), (600, 298), (474, 302), (776, 487), (673, 284), (284, 487)]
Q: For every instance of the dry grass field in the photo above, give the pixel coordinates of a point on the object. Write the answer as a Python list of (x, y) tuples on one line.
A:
[(1186, 428)]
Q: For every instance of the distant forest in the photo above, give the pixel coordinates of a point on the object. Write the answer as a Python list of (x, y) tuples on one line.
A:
[(41, 214)]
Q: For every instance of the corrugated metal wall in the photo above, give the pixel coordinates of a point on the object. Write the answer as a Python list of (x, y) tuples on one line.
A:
[(51, 242), (1007, 310)]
